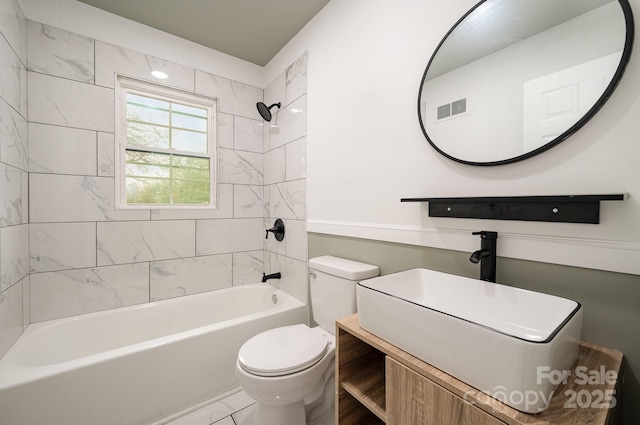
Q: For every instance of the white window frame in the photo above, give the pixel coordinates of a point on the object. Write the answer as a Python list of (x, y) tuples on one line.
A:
[(124, 85)]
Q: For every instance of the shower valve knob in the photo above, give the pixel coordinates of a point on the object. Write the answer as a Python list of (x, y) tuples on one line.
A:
[(277, 230)]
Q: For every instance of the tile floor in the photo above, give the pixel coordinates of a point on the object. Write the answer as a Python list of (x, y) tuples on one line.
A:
[(236, 409)]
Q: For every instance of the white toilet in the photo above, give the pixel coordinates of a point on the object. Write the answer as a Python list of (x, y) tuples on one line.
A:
[(289, 371)]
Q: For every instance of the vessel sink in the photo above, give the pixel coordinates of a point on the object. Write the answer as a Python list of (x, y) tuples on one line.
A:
[(510, 343)]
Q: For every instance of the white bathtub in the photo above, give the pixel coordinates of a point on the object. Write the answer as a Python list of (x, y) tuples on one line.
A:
[(139, 364)]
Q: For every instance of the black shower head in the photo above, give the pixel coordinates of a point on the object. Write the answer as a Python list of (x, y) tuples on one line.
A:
[(265, 111)]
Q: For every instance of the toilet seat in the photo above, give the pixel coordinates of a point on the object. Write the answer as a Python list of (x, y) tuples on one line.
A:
[(282, 351)]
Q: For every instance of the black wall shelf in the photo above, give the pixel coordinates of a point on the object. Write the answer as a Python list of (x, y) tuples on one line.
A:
[(564, 209)]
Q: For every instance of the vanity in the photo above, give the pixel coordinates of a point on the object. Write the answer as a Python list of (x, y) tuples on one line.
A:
[(378, 383)]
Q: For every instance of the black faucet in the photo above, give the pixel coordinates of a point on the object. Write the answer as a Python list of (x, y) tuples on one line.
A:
[(266, 277), (277, 230), (486, 256)]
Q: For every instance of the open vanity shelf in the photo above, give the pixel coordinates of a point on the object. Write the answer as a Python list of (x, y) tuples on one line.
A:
[(566, 209), (362, 382), (377, 383)]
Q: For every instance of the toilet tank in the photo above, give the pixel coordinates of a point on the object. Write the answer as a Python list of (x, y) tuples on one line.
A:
[(333, 288)]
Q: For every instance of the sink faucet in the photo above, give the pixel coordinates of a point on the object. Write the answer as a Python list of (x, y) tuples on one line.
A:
[(266, 277), (486, 255)]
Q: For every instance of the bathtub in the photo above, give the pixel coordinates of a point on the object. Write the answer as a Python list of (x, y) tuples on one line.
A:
[(137, 365)]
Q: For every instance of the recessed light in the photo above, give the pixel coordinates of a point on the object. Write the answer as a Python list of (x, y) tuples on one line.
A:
[(160, 75)]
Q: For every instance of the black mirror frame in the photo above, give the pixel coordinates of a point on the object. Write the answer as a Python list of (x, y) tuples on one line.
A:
[(624, 60)]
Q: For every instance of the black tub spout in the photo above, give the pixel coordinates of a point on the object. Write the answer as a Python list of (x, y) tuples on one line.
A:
[(266, 277)]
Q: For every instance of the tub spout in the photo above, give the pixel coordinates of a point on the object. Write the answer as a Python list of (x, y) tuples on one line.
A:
[(266, 277)]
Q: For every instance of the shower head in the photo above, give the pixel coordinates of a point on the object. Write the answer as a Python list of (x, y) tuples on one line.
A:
[(265, 111)]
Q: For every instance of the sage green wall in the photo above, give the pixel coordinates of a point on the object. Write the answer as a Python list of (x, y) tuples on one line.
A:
[(611, 301)]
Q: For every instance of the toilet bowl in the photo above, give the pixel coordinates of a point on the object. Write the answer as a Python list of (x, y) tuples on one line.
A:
[(287, 385), (289, 371)]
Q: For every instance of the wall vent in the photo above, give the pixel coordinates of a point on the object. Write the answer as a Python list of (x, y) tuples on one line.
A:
[(452, 109)]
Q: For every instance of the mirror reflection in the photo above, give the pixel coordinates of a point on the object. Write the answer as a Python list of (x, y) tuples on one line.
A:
[(515, 77)]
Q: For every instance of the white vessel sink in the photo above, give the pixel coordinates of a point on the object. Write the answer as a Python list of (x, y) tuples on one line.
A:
[(508, 342)]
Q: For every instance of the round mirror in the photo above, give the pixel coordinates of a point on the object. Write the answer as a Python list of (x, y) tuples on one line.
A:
[(515, 77)]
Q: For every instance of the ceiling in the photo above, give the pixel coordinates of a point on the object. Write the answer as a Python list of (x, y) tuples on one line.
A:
[(253, 30)]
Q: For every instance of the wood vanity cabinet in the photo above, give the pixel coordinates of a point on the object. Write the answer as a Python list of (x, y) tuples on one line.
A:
[(377, 383), (414, 399)]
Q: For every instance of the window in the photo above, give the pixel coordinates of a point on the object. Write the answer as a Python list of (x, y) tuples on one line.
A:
[(165, 142)]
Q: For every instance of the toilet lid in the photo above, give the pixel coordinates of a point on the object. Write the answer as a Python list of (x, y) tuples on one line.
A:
[(282, 351)]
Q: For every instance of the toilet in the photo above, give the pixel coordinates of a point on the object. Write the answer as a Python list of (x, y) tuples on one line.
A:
[(289, 371)]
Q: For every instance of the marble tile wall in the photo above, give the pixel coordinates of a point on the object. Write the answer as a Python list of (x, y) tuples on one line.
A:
[(87, 256), (285, 177), (14, 176)]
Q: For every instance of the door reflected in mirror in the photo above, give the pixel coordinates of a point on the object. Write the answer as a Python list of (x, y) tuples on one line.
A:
[(515, 77)]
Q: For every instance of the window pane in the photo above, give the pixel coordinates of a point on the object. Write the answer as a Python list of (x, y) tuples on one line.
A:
[(148, 102), (191, 162), (149, 157), (155, 178), (147, 135), (190, 110), (146, 164), (186, 168), (189, 192), (153, 116), (148, 191), (189, 141), (191, 184), (146, 109), (188, 122), (135, 170)]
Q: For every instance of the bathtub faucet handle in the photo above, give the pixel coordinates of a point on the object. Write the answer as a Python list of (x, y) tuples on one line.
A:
[(277, 230)]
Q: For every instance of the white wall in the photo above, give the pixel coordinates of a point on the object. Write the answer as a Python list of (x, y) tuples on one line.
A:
[(366, 150)]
